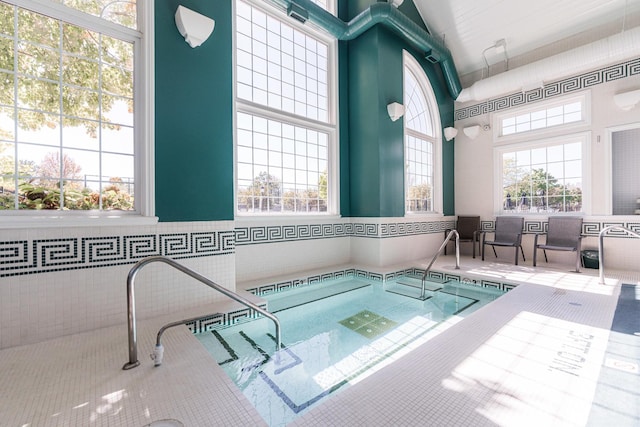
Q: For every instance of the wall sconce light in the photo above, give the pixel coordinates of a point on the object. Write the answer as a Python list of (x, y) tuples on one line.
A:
[(472, 131), (396, 3), (627, 100), (395, 111), (450, 133), (194, 27)]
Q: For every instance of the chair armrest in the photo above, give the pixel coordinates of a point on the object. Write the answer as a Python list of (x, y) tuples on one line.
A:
[(483, 236), (535, 238)]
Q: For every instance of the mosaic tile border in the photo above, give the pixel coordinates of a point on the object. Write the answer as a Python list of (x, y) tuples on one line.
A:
[(20, 257), (313, 280), (219, 320), (589, 228), (553, 89), (440, 276), (291, 233), (352, 272)]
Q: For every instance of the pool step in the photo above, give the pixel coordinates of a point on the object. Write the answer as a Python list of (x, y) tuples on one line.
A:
[(306, 294), (412, 288)]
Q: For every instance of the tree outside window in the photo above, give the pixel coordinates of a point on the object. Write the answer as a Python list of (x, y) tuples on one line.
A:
[(66, 111)]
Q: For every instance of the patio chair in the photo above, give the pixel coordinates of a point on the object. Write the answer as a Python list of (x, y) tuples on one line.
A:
[(563, 234), (468, 228), (508, 233)]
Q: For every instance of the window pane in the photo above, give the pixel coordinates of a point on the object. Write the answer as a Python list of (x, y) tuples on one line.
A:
[(287, 176), (540, 119), (73, 142), (119, 12), (287, 50), (543, 179)]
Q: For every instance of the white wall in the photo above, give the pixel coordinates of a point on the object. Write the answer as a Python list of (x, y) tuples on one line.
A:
[(475, 167), (87, 289), (271, 248), (275, 247)]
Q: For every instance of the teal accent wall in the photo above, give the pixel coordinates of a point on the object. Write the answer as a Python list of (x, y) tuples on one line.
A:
[(376, 146), (194, 116)]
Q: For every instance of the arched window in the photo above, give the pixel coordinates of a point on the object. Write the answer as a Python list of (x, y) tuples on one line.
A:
[(422, 136)]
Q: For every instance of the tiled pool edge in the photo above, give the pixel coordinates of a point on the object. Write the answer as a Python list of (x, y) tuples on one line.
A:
[(381, 277), (229, 318)]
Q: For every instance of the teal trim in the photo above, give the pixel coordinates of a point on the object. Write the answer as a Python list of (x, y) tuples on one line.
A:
[(376, 144), (194, 117), (384, 13), (343, 110)]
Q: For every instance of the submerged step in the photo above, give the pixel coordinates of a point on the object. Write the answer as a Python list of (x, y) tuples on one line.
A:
[(412, 288), (310, 293)]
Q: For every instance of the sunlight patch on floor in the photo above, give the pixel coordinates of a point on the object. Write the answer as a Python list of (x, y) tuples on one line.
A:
[(537, 365)]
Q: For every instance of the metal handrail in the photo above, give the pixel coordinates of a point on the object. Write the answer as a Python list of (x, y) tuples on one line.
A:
[(446, 240), (601, 245), (131, 306)]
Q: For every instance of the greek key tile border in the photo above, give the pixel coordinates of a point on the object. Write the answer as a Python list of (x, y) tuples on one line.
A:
[(589, 228), (22, 257), (221, 320), (439, 276), (369, 275), (314, 280), (553, 89), (292, 233)]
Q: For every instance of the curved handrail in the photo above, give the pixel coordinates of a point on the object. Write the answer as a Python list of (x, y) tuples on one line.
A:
[(601, 246), (131, 306), (446, 240)]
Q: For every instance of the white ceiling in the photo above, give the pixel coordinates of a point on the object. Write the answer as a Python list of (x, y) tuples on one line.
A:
[(531, 28)]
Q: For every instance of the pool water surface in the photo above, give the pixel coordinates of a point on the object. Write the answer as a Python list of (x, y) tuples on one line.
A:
[(333, 335)]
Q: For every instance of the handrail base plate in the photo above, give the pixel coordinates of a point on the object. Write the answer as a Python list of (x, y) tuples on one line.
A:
[(130, 365)]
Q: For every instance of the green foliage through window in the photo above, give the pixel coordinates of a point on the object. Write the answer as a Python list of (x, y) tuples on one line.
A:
[(66, 110)]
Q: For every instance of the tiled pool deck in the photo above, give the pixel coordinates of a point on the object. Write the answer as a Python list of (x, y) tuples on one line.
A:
[(537, 356)]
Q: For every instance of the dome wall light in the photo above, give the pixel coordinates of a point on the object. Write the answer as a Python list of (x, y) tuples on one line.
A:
[(450, 133), (627, 100), (472, 131), (395, 111), (193, 26)]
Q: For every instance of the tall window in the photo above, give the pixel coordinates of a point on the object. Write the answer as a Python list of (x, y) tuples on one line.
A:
[(422, 141), (67, 138), (543, 177), (285, 126), (541, 167)]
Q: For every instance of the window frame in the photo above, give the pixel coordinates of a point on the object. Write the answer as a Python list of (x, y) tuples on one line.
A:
[(411, 64), (143, 119), (608, 166), (583, 97), (583, 137), (331, 127)]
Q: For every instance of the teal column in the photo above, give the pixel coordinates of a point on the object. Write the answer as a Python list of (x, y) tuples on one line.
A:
[(376, 144), (193, 116)]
